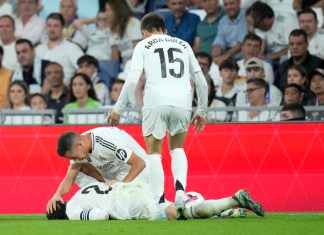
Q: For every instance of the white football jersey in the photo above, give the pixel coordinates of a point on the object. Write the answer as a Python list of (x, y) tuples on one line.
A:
[(111, 149), (167, 63), (120, 201)]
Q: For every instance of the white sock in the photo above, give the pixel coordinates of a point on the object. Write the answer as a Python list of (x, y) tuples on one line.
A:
[(209, 208), (179, 166), (156, 176)]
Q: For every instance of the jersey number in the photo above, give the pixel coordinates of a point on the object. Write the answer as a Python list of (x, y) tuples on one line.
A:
[(97, 189), (171, 58)]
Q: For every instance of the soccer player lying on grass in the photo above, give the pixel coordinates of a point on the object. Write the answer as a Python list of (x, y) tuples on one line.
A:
[(134, 201)]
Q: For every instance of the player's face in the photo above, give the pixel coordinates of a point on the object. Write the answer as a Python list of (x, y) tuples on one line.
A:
[(80, 87), (295, 77), (292, 95), (78, 153)]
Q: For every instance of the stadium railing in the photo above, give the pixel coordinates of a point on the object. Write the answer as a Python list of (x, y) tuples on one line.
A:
[(27, 117)]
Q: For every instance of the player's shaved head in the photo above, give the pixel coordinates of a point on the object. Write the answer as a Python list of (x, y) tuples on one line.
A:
[(66, 141)]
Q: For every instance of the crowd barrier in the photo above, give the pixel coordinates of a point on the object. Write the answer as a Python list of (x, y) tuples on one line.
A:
[(281, 165)]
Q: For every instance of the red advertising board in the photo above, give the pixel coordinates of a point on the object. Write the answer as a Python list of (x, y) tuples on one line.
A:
[(282, 165)]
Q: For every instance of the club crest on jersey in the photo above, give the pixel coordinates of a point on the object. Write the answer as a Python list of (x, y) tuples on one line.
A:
[(101, 158), (121, 154)]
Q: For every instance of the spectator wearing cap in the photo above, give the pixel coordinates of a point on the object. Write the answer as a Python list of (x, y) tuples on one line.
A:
[(298, 45), (89, 65), (317, 87), (293, 112), (254, 69)]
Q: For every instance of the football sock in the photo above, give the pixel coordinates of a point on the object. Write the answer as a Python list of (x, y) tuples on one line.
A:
[(179, 166), (156, 176), (210, 208)]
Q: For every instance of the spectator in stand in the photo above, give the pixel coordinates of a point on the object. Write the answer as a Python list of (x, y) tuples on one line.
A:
[(28, 24), (126, 29), (59, 49), (8, 40), (298, 45), (205, 61), (207, 28), (116, 87), (89, 66), (299, 5), (231, 32), (6, 8), (293, 94), (57, 95), (254, 69), (256, 93), (293, 112), (81, 93), (308, 22), (137, 7), (31, 67), (5, 78), (37, 101), (297, 74), (252, 47), (98, 40), (18, 95), (180, 22), (68, 9), (272, 27), (317, 87)]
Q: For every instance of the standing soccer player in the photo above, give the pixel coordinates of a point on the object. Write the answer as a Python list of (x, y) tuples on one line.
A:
[(168, 64)]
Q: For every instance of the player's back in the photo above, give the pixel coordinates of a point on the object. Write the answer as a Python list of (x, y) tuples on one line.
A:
[(168, 63)]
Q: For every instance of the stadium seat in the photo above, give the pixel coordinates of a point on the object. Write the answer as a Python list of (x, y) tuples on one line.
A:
[(108, 71)]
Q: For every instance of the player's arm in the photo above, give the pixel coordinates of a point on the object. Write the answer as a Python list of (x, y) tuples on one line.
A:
[(92, 214), (113, 117), (91, 171), (137, 165), (64, 187), (199, 118)]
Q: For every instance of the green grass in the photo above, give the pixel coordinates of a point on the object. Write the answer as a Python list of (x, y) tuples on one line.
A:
[(272, 223)]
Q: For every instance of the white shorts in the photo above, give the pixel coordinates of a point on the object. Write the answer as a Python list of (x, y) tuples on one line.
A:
[(158, 120)]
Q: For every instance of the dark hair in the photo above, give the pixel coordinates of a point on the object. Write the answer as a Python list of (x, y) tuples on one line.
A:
[(59, 213), (122, 13), (1, 50), (153, 21), (24, 86), (31, 96), (297, 109), (24, 40), (252, 37), (259, 82), (88, 59), (229, 64), (91, 92), (56, 16), (299, 32), (259, 11), (211, 94), (308, 10), (202, 54), (297, 87), (10, 18), (66, 141)]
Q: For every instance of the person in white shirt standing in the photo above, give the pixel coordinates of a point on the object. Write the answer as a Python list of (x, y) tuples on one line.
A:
[(168, 64)]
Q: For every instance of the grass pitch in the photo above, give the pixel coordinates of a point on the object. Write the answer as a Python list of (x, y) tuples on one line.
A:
[(272, 223)]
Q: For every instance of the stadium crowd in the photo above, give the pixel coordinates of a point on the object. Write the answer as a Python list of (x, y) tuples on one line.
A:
[(69, 55)]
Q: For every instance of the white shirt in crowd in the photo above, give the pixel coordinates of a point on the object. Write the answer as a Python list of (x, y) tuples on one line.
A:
[(33, 30)]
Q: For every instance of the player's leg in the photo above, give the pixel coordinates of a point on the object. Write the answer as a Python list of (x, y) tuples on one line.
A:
[(178, 127), (154, 129), (242, 197)]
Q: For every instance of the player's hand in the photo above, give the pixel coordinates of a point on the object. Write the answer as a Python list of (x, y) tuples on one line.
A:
[(51, 205), (111, 182), (113, 118), (199, 122)]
